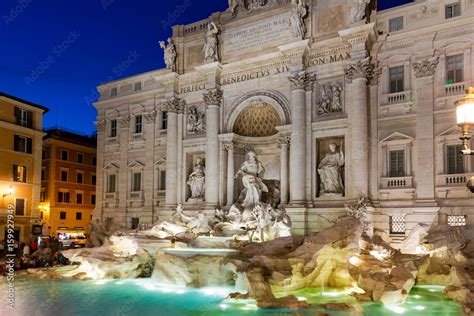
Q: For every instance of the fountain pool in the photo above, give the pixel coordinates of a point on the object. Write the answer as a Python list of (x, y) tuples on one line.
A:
[(144, 297)]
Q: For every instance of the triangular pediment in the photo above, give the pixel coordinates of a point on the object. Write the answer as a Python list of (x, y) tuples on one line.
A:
[(111, 165), (455, 130), (160, 161), (397, 136), (136, 164)]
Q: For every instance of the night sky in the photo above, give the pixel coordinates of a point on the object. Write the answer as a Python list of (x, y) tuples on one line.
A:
[(56, 52)]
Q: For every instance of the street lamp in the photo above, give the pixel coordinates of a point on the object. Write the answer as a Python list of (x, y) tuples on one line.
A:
[(465, 120), (10, 192)]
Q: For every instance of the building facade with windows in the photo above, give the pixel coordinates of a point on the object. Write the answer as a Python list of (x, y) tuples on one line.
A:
[(21, 124), (337, 100), (68, 181)]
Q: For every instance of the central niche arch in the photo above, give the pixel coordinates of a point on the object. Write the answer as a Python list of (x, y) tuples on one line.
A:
[(257, 114), (257, 120)]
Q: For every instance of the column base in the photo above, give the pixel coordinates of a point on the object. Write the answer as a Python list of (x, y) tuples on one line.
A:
[(299, 219)]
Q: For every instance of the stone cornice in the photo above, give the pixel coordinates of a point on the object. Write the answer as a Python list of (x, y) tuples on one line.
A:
[(425, 67), (213, 97), (361, 69)]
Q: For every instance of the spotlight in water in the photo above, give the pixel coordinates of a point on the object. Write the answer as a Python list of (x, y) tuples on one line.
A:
[(224, 306), (396, 309), (420, 308), (355, 261)]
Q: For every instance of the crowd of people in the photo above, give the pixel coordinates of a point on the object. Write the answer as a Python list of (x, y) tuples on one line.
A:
[(47, 253)]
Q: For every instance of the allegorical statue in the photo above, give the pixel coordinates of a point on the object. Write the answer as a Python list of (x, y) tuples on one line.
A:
[(211, 45), (170, 54), (330, 171), (196, 180), (358, 10), (252, 172), (297, 16)]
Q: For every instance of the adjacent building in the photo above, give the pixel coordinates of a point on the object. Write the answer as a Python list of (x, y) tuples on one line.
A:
[(21, 135), (337, 100), (68, 180)]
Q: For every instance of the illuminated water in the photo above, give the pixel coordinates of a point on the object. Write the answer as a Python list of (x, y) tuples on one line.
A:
[(141, 297)]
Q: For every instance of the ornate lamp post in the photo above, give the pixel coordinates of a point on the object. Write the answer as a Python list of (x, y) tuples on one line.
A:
[(465, 120)]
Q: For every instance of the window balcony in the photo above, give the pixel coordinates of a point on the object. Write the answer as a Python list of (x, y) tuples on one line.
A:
[(397, 98), (453, 180), (456, 88), (137, 195), (110, 196), (397, 183)]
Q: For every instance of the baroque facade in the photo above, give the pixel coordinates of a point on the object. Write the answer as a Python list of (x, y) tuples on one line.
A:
[(338, 102)]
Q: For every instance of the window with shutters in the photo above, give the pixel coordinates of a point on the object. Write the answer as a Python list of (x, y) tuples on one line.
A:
[(23, 144), (20, 207), (454, 69), (396, 24), (397, 163), (113, 128), (455, 159), (138, 124), (452, 10), (19, 173), (111, 179), (24, 117), (136, 182), (396, 78)]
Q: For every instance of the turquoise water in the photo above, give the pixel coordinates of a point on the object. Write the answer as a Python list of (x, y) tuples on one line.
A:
[(142, 297)]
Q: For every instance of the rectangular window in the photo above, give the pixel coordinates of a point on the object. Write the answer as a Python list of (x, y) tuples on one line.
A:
[(62, 215), (64, 176), (79, 198), (43, 195), (397, 224), (135, 222), (113, 92), (92, 199), (43, 174), (162, 184), (63, 197), (94, 161), (80, 158), (80, 177), (138, 86), (396, 78), (78, 216), (41, 215), (111, 183), (24, 117), (397, 163), (93, 179), (456, 220), (20, 207), (452, 10), (454, 69), (113, 128), (164, 120), (138, 124), (455, 159), (136, 182), (23, 144), (64, 155), (19, 173), (396, 24)]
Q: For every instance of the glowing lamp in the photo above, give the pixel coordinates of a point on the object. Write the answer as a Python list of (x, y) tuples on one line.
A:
[(465, 118), (9, 192)]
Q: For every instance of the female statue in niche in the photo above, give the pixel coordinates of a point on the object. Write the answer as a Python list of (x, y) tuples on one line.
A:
[(330, 171), (297, 16), (252, 172), (211, 44), (196, 180)]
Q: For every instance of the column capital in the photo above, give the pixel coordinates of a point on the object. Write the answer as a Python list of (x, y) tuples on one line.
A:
[(213, 97), (284, 141), (360, 69), (229, 147), (125, 121), (377, 73), (299, 81), (175, 105), (150, 117), (100, 125), (425, 67), (310, 81)]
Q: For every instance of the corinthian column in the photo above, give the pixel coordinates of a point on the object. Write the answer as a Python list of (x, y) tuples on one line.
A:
[(424, 89), (284, 142), (298, 139), (230, 173), (173, 106), (358, 73), (213, 99)]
